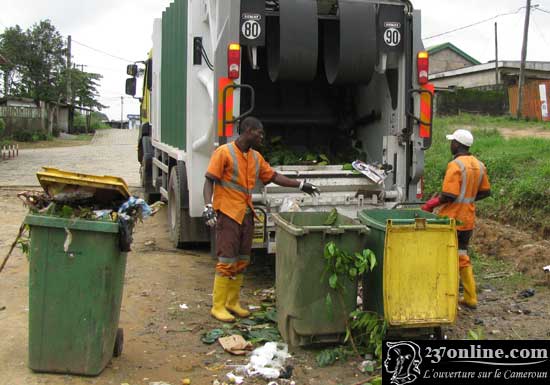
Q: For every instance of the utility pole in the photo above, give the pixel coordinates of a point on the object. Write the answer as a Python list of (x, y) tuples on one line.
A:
[(69, 86), (496, 54), (121, 112), (523, 57), (69, 67)]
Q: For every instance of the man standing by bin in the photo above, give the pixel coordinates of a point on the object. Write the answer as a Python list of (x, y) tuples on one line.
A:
[(231, 176), (465, 182)]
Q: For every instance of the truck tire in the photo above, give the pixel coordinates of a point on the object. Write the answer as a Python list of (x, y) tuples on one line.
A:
[(185, 231), (150, 195)]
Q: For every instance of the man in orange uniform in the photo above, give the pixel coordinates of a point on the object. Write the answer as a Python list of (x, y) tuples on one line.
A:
[(232, 174), (465, 182)]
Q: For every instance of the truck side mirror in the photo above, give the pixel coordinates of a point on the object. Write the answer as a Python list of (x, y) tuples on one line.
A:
[(132, 70), (131, 86)]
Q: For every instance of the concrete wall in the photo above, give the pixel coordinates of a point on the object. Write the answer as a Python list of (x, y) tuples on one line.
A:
[(475, 79), (447, 60)]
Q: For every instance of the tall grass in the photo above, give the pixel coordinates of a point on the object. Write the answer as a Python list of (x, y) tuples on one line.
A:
[(518, 168)]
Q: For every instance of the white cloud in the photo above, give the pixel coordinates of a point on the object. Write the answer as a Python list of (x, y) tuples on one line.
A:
[(124, 27)]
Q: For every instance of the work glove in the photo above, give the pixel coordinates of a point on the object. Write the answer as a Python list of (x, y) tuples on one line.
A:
[(309, 188), (209, 215), (430, 205)]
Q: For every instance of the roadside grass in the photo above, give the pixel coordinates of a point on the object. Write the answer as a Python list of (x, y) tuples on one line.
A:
[(76, 140), (519, 170), (500, 274), (485, 121)]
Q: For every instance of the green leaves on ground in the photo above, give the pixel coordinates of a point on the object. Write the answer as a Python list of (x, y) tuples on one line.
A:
[(260, 327), (212, 336), (328, 357), (368, 330)]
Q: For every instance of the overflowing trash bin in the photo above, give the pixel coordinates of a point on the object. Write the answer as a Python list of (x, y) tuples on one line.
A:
[(80, 230), (301, 287), (75, 292), (415, 284)]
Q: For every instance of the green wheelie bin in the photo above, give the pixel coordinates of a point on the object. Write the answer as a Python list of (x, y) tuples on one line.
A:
[(301, 289), (76, 280), (415, 284)]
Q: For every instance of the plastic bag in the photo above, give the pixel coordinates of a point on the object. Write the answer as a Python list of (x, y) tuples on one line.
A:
[(289, 205)]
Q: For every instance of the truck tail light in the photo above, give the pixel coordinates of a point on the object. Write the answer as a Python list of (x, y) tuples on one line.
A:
[(234, 61), (423, 66)]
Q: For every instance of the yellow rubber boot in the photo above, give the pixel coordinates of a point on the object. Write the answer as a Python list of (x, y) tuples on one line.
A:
[(469, 284), (233, 296), (219, 297)]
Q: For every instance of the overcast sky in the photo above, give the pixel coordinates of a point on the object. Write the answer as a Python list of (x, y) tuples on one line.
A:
[(123, 28)]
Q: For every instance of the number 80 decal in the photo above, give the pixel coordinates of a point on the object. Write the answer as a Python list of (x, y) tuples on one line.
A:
[(392, 37), (251, 29)]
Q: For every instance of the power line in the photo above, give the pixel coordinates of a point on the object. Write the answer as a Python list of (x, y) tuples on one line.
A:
[(103, 52), (474, 24), (542, 10)]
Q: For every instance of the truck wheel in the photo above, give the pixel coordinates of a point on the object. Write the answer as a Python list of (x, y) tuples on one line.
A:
[(184, 230)]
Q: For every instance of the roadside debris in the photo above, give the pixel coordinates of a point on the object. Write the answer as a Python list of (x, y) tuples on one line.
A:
[(546, 268), (527, 293), (235, 344), (267, 361)]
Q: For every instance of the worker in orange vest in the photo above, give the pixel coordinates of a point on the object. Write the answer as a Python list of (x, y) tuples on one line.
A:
[(465, 182), (231, 176)]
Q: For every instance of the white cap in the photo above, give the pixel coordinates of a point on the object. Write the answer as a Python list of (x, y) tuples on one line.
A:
[(464, 137)]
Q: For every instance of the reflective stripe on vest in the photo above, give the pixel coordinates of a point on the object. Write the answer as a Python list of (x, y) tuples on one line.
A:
[(234, 182), (462, 197)]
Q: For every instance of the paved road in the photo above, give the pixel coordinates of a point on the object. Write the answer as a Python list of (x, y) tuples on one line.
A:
[(111, 152)]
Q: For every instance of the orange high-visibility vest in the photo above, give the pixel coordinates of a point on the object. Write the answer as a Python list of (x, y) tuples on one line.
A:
[(464, 178), (236, 174)]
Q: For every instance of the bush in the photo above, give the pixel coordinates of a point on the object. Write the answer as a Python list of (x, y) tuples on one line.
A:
[(2, 128), (492, 102), (30, 135)]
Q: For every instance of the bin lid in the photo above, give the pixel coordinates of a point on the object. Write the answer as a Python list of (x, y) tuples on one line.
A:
[(71, 224), (300, 223), (66, 184), (378, 218)]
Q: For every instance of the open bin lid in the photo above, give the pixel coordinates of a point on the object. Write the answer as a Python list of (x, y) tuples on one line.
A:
[(378, 218), (61, 185)]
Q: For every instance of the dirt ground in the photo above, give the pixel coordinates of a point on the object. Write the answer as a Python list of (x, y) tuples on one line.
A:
[(524, 133), (162, 342)]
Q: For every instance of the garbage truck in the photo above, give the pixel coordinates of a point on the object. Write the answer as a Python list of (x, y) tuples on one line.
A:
[(333, 81)]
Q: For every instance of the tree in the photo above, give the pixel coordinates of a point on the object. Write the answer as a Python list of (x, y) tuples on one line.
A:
[(12, 47), (36, 67), (43, 63), (85, 86)]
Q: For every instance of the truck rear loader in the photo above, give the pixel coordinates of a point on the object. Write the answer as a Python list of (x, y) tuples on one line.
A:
[(339, 79)]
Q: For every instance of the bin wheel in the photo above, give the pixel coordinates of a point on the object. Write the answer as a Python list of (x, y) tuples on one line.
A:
[(439, 333), (119, 343)]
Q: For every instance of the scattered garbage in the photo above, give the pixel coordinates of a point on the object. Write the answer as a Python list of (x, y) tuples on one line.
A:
[(546, 268), (2, 308), (235, 344), (235, 379), (375, 174), (184, 306), (527, 293), (186, 381), (268, 361), (367, 366)]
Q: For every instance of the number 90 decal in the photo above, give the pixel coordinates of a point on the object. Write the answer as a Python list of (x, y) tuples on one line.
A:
[(392, 37), (251, 29)]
